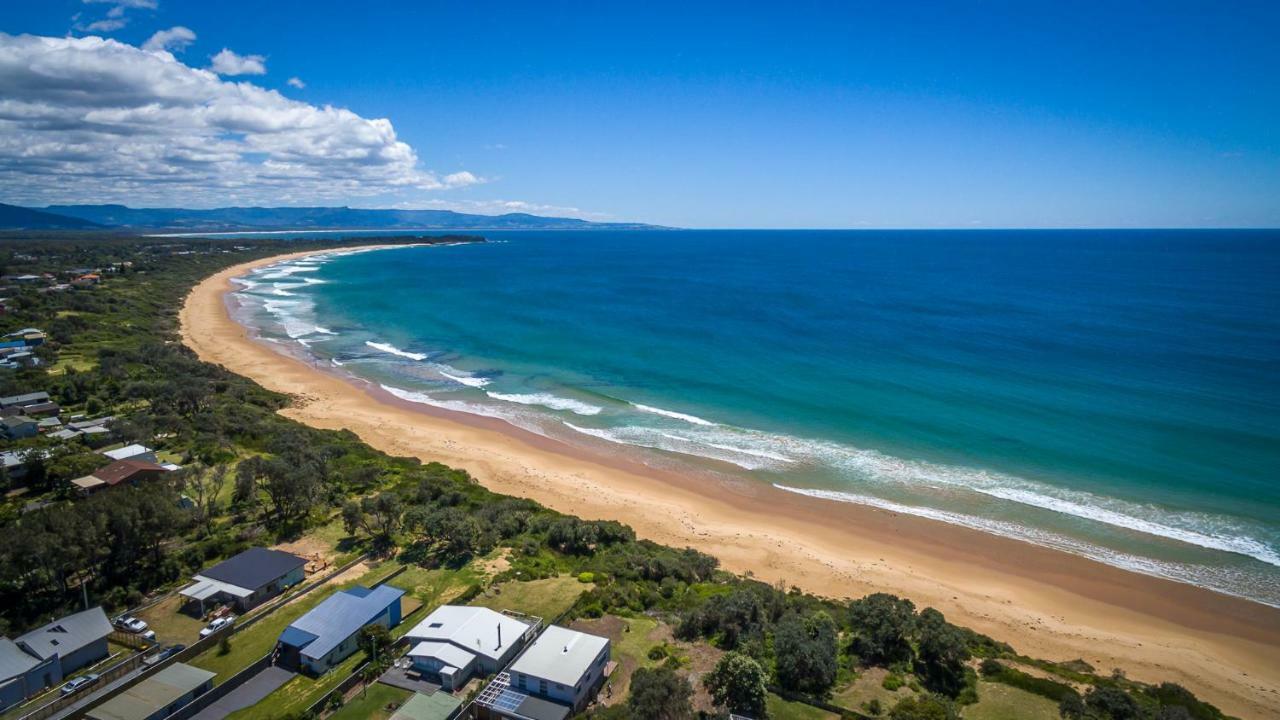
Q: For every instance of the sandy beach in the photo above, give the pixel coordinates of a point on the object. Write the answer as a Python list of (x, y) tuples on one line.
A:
[(1045, 603)]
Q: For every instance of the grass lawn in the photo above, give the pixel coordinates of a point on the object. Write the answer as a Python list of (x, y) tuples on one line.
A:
[(997, 701), (172, 625), (780, 709), (299, 693), (545, 598), (433, 587), (372, 703), (867, 687)]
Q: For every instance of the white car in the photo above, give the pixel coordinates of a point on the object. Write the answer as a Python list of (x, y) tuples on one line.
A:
[(217, 625), (131, 624), (82, 681)]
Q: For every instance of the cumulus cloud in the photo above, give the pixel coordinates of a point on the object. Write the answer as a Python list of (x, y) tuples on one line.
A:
[(105, 26), (230, 63), (96, 120), (296, 82), (121, 4), (174, 39)]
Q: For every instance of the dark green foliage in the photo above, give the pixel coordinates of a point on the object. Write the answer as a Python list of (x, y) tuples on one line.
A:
[(882, 627), (737, 684), (659, 694), (1044, 687), (805, 653), (733, 619), (942, 653)]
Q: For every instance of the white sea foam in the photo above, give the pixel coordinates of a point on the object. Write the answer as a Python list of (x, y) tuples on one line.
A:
[(657, 440), (694, 419), (548, 400), (336, 362), (393, 350), (454, 405), (1228, 580), (733, 448), (468, 380)]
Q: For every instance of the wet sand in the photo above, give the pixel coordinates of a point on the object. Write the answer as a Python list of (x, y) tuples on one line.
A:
[(1045, 603)]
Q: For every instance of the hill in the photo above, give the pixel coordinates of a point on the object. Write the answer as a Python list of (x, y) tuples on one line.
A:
[(20, 218), (304, 218)]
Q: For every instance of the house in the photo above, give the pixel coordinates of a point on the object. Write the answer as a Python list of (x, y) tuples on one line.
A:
[(557, 676), (22, 401), (246, 580), (157, 697), (62, 647), (436, 706), (131, 452), (121, 471), (328, 634), (29, 336), (16, 427), (42, 409), (456, 641), (22, 674)]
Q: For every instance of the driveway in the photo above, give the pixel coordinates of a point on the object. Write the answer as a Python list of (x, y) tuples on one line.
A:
[(249, 693)]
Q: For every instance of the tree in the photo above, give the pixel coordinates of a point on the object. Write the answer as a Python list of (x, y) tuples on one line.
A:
[(941, 655), (374, 640), (738, 684), (660, 694), (882, 626), (805, 653), (1110, 703), (927, 707), (378, 516), (205, 485), (247, 473)]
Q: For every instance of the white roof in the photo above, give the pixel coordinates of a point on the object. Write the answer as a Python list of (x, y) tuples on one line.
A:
[(449, 654), (560, 655), (127, 452), (88, 482), (204, 587), (474, 629)]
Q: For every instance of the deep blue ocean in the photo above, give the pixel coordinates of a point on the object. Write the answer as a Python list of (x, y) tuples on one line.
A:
[(1111, 393)]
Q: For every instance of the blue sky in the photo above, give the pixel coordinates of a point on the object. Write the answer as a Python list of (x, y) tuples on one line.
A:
[(787, 115)]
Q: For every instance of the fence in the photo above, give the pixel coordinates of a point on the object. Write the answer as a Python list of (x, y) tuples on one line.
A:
[(105, 677), (221, 691)]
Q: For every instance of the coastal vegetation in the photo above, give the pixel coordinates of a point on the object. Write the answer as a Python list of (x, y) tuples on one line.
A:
[(252, 477)]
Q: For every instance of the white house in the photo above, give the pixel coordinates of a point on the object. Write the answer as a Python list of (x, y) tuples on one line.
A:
[(456, 641), (562, 665)]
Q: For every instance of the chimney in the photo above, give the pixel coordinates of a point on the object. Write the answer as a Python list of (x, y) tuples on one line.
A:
[(499, 637)]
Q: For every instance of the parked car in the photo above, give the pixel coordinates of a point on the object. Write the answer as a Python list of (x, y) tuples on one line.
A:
[(217, 625), (131, 624), (164, 654), (81, 682), (149, 636)]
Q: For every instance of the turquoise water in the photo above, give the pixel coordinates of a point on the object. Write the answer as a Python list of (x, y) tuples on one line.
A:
[(1112, 394)]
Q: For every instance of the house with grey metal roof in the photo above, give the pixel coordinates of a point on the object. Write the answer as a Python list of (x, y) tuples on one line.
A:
[(328, 633), (455, 641), (23, 400), (157, 697), (246, 580), (23, 674), (556, 676), (75, 640)]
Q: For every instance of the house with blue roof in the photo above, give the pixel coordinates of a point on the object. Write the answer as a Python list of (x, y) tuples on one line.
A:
[(329, 633)]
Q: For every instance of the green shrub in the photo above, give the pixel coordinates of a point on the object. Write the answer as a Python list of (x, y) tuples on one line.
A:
[(892, 682), (586, 577)]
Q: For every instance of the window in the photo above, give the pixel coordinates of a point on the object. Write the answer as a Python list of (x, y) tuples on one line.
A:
[(436, 625), (542, 686), (520, 681)]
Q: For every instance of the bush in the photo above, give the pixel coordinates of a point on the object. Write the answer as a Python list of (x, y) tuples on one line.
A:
[(892, 682), (586, 577), (657, 652)]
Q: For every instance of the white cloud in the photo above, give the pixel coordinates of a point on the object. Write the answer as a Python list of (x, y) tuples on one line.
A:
[(176, 38), (135, 4), (296, 82), (105, 26), (96, 120), (502, 207), (229, 63)]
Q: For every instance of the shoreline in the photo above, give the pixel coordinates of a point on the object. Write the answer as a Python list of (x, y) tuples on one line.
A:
[(1044, 602)]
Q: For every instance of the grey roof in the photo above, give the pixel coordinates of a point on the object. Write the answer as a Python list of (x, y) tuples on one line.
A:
[(24, 399), (472, 628), (436, 706), (254, 568), (66, 635), (82, 424), (444, 652), (155, 693), (13, 660), (340, 616), (560, 655), (128, 451)]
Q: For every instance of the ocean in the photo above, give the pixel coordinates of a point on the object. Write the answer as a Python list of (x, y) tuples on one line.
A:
[(1114, 394)]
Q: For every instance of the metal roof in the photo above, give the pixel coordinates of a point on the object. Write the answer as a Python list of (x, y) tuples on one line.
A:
[(66, 635), (14, 661), (126, 452), (476, 629), (560, 655), (254, 568), (436, 706), (24, 399), (446, 653), (340, 616), (204, 587), (155, 693)]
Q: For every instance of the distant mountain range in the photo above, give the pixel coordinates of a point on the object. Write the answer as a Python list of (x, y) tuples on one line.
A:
[(119, 217)]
